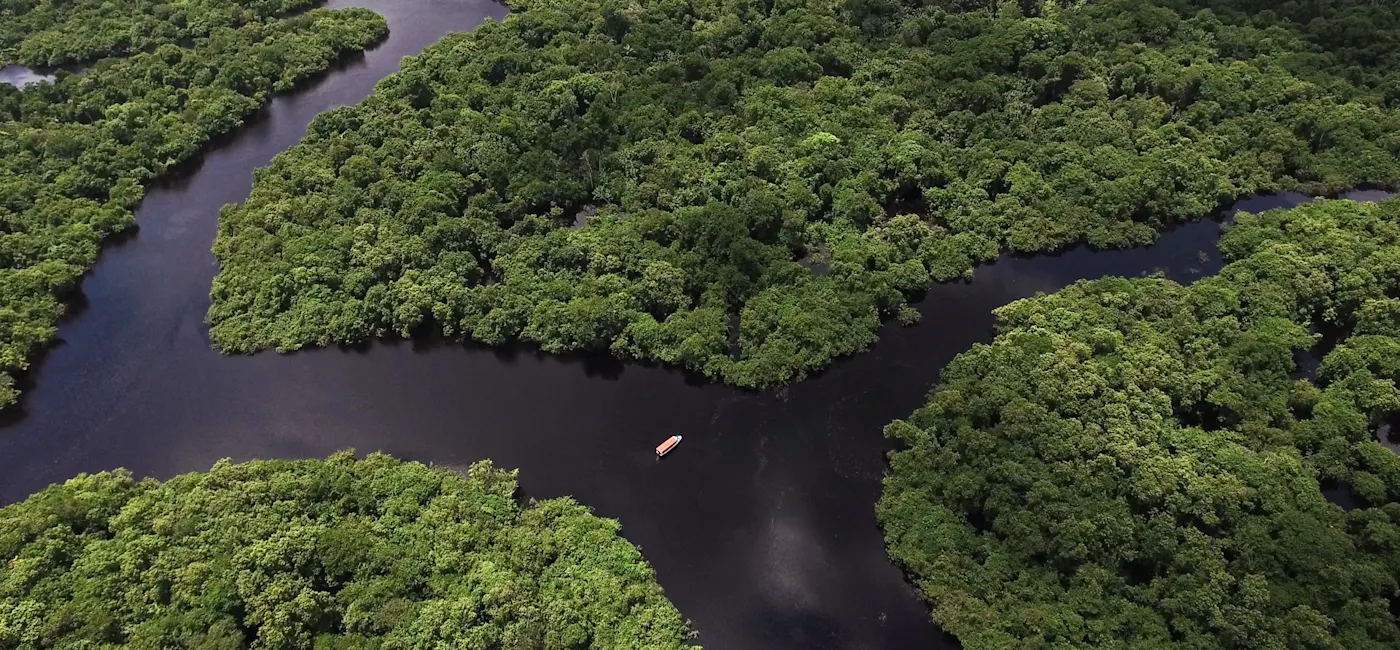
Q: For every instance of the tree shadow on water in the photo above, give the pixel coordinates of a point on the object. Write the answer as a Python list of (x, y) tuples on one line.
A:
[(26, 381), (74, 306), (16, 413), (594, 364)]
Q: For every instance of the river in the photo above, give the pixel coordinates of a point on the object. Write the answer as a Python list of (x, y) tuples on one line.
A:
[(760, 526), (20, 76)]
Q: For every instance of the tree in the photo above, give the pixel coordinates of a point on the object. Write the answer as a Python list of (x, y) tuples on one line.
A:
[(726, 140), (342, 553), (163, 79), (1135, 464)]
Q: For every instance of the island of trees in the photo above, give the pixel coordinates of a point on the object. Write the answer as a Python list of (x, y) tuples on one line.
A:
[(1140, 464), (801, 168), (161, 79), (343, 554)]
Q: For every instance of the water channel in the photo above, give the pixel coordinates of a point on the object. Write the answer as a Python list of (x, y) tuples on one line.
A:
[(760, 527), (20, 76)]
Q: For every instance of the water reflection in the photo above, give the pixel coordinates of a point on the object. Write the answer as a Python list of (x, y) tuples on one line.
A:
[(20, 76), (1388, 434)]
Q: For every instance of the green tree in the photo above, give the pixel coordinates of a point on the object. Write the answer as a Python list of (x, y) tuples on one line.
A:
[(162, 79), (340, 554), (722, 142), (1136, 464)]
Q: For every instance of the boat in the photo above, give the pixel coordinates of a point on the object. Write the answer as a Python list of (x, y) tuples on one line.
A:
[(666, 447)]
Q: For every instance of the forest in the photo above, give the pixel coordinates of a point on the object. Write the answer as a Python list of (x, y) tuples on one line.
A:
[(1133, 463), (158, 80), (341, 554), (749, 189)]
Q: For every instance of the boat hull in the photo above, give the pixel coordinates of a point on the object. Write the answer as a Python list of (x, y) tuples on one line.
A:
[(666, 447)]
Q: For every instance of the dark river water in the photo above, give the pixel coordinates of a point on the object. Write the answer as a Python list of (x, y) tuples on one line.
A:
[(760, 526), (20, 76)]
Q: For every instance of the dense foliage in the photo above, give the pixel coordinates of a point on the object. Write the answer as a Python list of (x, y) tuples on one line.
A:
[(57, 32), (758, 159), (1139, 464), (336, 555), (74, 153)]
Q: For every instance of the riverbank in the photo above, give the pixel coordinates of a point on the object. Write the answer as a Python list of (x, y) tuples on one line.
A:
[(760, 528)]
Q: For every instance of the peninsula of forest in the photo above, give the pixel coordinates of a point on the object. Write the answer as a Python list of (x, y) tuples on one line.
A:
[(341, 554), (748, 189), (1133, 463)]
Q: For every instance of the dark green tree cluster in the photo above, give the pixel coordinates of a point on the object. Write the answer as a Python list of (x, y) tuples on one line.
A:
[(58, 32), (75, 153), (766, 160), (1140, 464), (342, 554)]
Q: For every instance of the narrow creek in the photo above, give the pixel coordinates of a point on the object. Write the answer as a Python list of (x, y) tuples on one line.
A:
[(20, 76), (761, 526)]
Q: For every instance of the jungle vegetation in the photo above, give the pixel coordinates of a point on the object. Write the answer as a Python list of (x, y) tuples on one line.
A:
[(1133, 463), (335, 555), (805, 166), (161, 79)]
